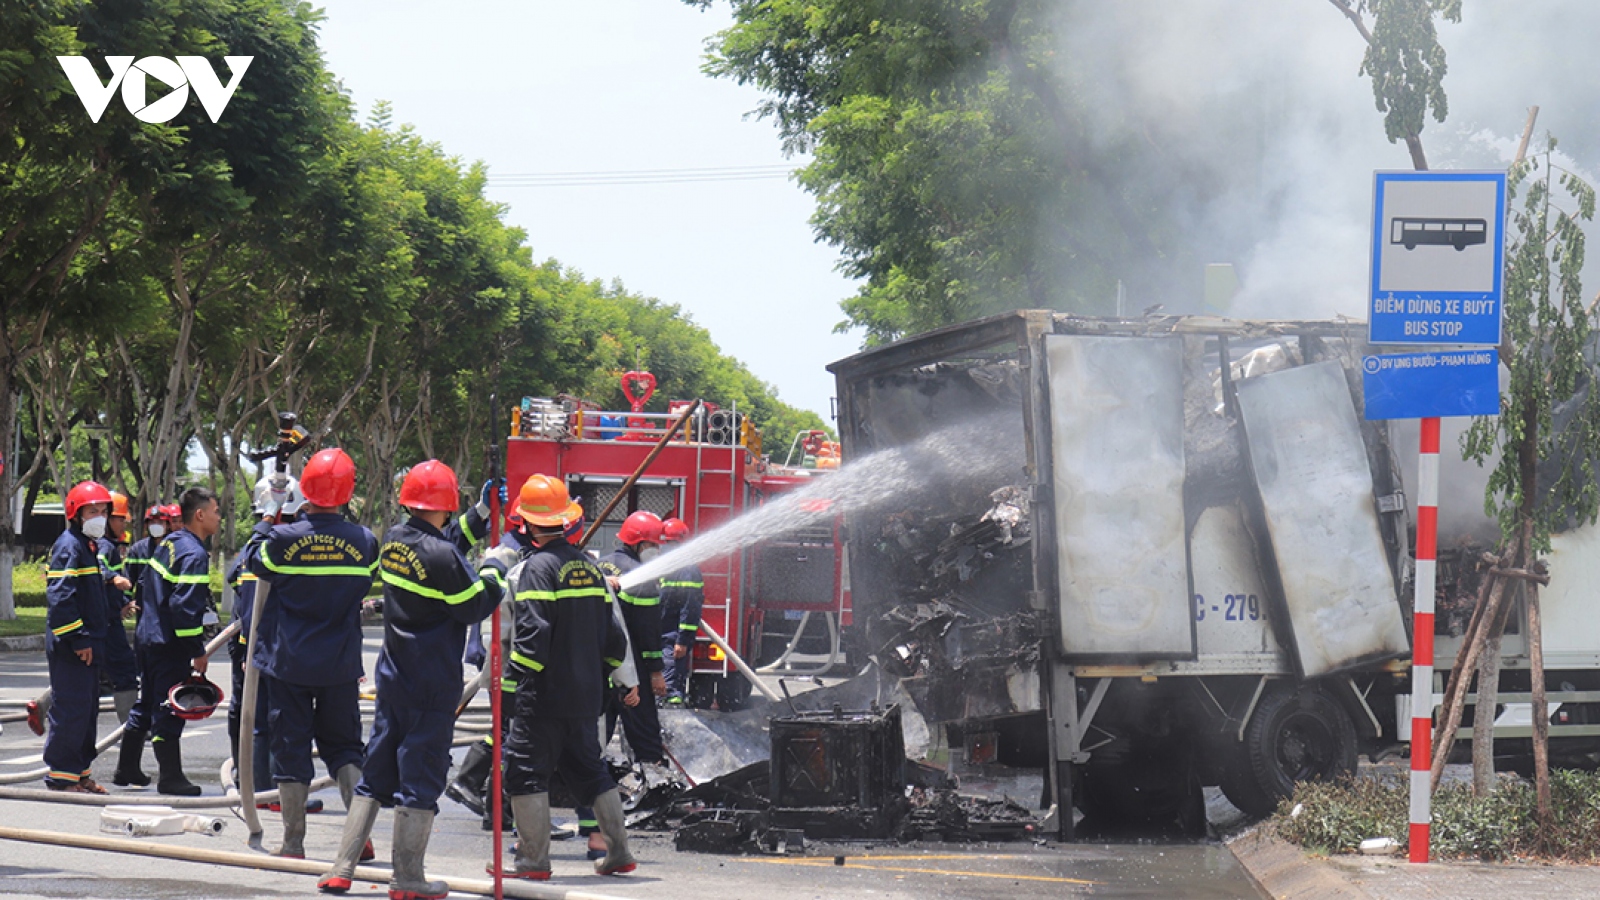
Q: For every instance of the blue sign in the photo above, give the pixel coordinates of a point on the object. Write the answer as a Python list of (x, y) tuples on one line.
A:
[(1438, 257), (1429, 385)]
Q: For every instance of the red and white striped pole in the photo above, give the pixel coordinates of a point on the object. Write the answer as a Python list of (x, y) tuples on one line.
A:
[(1422, 640)]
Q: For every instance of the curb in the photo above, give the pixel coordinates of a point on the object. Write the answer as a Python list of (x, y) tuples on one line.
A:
[(1282, 871), (21, 643)]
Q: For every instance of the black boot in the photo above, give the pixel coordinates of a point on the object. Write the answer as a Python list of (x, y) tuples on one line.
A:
[(169, 756), (470, 784), (130, 761)]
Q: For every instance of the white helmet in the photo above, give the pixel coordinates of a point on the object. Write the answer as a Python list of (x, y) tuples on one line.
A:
[(288, 492)]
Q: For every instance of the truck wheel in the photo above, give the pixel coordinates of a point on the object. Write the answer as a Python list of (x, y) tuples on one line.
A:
[(1295, 735)]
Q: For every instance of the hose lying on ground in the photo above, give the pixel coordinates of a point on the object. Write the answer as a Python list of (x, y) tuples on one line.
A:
[(522, 890), (45, 795)]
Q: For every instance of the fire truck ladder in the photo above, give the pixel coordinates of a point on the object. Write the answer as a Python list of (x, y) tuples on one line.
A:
[(727, 510)]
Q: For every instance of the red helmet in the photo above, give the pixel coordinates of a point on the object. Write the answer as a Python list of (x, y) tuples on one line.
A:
[(430, 485), (172, 512), (673, 530), (640, 527), (329, 478), (84, 493), (155, 512), (194, 698)]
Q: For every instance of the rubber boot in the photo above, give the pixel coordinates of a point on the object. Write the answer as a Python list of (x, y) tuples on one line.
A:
[(292, 797), (608, 812), (357, 834), (412, 828), (171, 781), (532, 860), (130, 761), (38, 714), (349, 776), (124, 701), (468, 787)]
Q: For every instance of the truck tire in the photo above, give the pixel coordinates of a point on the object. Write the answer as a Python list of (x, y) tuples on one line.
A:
[(1296, 734)]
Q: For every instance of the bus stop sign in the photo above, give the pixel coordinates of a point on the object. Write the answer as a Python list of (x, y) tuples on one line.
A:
[(1438, 254)]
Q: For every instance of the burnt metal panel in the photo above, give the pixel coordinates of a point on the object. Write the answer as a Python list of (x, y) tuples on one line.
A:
[(1118, 464), (1316, 496)]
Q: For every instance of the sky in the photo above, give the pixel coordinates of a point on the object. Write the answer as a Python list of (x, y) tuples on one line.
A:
[(615, 86), (1262, 97)]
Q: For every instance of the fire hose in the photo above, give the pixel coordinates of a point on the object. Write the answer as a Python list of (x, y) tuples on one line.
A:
[(35, 774), (520, 889)]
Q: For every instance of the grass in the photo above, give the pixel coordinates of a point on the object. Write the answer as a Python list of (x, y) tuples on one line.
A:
[(29, 620), (1337, 817)]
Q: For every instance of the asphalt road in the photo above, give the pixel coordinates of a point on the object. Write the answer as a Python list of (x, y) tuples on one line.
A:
[(460, 849)]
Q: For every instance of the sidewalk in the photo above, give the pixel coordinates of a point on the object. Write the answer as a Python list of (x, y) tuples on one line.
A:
[(1283, 870)]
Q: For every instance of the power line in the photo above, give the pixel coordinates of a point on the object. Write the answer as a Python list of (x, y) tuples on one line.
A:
[(639, 176)]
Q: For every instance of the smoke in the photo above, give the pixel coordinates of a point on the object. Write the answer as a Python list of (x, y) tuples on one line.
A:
[(1250, 123)]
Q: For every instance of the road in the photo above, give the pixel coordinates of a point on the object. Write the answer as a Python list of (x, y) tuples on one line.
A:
[(460, 849)]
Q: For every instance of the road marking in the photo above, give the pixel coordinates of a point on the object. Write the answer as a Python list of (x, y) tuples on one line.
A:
[(821, 862)]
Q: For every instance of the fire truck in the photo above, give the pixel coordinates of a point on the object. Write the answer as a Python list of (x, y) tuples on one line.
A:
[(709, 472)]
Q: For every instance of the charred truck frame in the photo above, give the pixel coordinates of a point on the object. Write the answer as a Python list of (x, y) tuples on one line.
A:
[(1175, 542)]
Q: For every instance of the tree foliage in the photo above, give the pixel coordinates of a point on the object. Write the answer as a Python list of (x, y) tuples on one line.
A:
[(954, 165), (168, 288)]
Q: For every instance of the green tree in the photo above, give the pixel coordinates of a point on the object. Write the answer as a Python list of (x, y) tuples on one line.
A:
[(954, 166), (1406, 63)]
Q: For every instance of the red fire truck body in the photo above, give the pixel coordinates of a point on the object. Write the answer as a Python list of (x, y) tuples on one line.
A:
[(706, 477)]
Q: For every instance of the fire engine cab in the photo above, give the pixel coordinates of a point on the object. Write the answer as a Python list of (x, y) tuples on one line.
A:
[(709, 471)]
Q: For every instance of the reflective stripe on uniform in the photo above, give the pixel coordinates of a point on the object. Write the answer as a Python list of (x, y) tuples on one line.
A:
[(650, 654), (178, 579), (563, 594), (461, 596), (472, 539), (626, 597), (508, 684), (71, 573), (614, 663), (683, 584), (527, 661), (66, 628), (683, 627), (188, 632)]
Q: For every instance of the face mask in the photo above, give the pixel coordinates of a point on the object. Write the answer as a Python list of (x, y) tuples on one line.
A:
[(649, 553), (95, 527), (157, 530)]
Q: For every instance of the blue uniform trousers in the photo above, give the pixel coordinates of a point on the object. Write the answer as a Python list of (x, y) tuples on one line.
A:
[(74, 716), (538, 745), (674, 670), (408, 757), (121, 665), (261, 746), (160, 668), (298, 713), (641, 724)]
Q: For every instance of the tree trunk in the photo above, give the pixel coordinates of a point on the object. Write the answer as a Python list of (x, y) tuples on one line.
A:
[(1483, 713), (1541, 709)]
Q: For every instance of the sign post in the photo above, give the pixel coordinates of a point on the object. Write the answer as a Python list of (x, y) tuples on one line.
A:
[(1438, 262)]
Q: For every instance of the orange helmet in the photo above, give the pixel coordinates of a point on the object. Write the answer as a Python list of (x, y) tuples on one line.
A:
[(119, 504), (329, 478), (673, 530), (84, 493), (544, 501), (640, 527), (430, 485)]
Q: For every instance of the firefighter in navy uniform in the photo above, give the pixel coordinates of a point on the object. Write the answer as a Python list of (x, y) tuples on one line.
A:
[(75, 640), (308, 643), (431, 596), (640, 537), (566, 638), (177, 607), (121, 668), (159, 521), (683, 596)]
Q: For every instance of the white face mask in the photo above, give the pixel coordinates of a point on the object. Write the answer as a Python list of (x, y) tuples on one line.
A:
[(95, 527), (649, 553), (157, 530)]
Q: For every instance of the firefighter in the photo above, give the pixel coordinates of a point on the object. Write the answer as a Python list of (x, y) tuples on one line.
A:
[(75, 641), (159, 521), (275, 504), (121, 667), (640, 539), (308, 642), (566, 637), (682, 598), (431, 595), (177, 594)]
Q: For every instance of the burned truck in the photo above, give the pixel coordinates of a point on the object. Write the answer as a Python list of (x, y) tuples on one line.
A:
[(1159, 554)]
